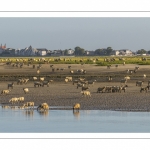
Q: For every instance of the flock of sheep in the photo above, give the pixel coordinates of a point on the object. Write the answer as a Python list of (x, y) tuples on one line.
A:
[(19, 102), (82, 83)]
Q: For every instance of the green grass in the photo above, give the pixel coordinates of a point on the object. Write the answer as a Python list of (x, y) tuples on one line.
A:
[(97, 60)]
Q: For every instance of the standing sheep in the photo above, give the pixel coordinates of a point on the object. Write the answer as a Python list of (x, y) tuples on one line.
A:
[(5, 91), (29, 104), (43, 107), (76, 106), (13, 100), (20, 99), (86, 93), (11, 85), (26, 90)]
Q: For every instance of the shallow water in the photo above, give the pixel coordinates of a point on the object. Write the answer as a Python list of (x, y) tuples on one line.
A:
[(65, 121)]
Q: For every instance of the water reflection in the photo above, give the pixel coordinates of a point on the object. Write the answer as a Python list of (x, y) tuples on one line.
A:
[(44, 113), (76, 113), (5, 106), (29, 113)]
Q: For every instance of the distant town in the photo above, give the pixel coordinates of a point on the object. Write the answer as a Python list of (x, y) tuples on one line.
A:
[(77, 51)]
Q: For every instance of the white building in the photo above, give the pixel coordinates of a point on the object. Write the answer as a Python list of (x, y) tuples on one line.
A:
[(42, 53)]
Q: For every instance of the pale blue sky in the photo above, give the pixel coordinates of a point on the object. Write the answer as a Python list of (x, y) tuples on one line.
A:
[(88, 33)]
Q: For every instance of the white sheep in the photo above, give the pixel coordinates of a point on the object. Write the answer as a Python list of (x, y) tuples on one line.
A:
[(127, 78), (69, 78), (20, 99), (66, 80), (34, 78), (13, 100), (42, 79), (76, 106), (86, 93), (71, 71), (26, 90), (38, 71), (43, 107), (144, 76), (28, 104), (5, 91)]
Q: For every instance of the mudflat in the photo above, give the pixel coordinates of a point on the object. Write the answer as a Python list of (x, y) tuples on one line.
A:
[(64, 95)]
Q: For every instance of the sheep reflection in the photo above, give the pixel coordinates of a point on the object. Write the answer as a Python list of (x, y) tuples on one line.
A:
[(43, 113), (29, 113), (76, 113)]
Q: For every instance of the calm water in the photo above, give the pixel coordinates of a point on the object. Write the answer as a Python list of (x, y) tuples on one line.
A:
[(65, 121)]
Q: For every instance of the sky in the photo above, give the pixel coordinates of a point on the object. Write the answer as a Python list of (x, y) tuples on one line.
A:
[(89, 33)]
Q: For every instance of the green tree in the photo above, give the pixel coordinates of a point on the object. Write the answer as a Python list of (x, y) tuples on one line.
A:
[(109, 50), (141, 51), (65, 52), (98, 51), (79, 51)]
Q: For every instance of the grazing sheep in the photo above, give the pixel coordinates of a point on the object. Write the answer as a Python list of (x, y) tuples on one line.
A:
[(130, 71), (123, 88), (43, 107), (144, 76), (5, 91), (11, 85), (85, 88), (62, 69), (144, 89), (108, 66), (101, 89), (109, 78), (51, 81), (91, 82), (69, 67), (26, 90), (41, 79), (81, 79), (29, 104), (86, 93), (84, 71), (37, 84), (45, 83), (127, 78), (20, 99), (38, 71), (75, 81), (80, 85), (71, 71), (25, 81), (76, 106), (34, 78), (66, 80), (123, 81), (69, 78), (20, 81), (80, 71), (108, 89), (13, 100), (139, 83), (136, 68)]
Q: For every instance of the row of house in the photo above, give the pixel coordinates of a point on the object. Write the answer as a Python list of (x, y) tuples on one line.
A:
[(30, 51)]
